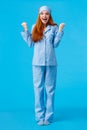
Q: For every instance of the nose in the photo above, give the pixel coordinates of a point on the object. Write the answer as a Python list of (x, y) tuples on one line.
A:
[(44, 15)]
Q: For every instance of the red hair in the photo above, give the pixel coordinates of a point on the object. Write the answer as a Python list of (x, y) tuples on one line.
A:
[(37, 33)]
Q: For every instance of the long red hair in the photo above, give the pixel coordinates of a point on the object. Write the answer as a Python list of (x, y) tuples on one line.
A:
[(37, 32)]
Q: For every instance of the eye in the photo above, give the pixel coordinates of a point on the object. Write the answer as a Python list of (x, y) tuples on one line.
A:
[(41, 13), (47, 13)]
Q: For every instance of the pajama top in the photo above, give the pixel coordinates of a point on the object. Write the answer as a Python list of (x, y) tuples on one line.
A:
[(44, 49)]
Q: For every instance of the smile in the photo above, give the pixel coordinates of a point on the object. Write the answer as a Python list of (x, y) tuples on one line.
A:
[(45, 19)]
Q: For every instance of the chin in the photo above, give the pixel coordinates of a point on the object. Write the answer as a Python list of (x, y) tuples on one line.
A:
[(45, 23)]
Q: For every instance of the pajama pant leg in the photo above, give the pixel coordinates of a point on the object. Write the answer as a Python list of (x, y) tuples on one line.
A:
[(50, 83), (38, 80)]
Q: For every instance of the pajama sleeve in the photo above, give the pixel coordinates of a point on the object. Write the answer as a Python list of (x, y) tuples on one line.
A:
[(57, 36), (26, 35)]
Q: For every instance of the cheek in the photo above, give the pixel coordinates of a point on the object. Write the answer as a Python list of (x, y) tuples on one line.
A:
[(40, 17), (48, 17)]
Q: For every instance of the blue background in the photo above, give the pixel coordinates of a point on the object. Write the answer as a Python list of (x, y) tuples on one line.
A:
[(16, 84)]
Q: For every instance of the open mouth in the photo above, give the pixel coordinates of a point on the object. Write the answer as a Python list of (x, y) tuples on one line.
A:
[(44, 19)]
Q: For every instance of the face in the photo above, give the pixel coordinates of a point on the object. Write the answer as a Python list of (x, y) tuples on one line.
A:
[(44, 17)]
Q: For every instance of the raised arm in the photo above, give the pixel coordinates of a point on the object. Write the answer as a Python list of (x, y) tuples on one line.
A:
[(26, 35), (58, 34)]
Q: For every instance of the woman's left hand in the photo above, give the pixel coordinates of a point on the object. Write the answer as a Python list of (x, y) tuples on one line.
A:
[(61, 26)]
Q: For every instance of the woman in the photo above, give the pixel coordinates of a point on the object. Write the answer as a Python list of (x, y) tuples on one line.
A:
[(45, 36)]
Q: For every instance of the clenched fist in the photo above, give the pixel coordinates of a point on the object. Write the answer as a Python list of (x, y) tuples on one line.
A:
[(61, 26), (25, 26)]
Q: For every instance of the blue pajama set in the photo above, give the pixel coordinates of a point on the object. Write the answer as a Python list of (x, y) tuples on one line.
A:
[(44, 70)]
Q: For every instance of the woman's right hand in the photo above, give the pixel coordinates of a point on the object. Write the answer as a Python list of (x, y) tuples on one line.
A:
[(24, 25)]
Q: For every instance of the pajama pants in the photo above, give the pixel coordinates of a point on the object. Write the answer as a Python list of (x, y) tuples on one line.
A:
[(44, 79)]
